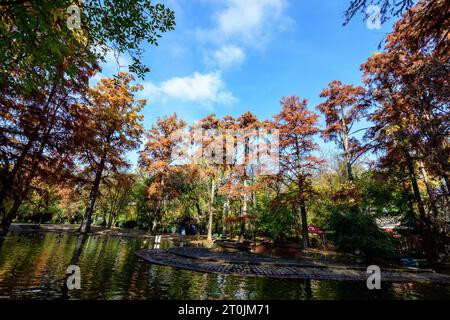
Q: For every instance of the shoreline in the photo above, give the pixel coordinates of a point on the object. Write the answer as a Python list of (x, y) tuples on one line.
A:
[(97, 231)]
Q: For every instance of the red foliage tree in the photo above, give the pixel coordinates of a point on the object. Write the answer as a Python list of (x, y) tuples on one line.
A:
[(342, 108), (297, 127)]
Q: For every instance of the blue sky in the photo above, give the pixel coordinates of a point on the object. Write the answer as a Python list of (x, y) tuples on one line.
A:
[(234, 56)]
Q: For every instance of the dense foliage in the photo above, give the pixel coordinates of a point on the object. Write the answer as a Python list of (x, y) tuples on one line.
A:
[(63, 144)]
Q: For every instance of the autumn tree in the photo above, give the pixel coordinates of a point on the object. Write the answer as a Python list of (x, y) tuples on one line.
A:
[(72, 202), (249, 125), (157, 158), (43, 61), (342, 108), (229, 187), (112, 127), (115, 196), (434, 17), (408, 83), (297, 127), (185, 192), (37, 130), (209, 139)]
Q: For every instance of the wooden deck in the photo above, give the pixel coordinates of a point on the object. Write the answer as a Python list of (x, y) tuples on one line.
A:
[(247, 265)]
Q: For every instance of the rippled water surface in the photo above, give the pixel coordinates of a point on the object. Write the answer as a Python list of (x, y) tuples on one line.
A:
[(33, 266)]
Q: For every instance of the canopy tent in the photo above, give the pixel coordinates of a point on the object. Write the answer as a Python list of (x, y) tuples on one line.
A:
[(316, 230)]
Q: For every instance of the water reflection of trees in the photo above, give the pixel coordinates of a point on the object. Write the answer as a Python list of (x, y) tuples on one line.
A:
[(34, 265)]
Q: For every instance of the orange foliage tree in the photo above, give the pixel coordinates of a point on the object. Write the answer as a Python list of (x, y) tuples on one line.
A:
[(112, 126), (157, 159), (297, 127), (408, 84), (37, 130), (342, 108)]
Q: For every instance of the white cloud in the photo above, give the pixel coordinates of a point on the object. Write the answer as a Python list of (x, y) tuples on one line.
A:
[(249, 18), (226, 57), (250, 22), (242, 24), (205, 89)]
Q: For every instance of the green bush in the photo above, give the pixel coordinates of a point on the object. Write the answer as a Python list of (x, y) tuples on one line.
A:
[(274, 219), (354, 230)]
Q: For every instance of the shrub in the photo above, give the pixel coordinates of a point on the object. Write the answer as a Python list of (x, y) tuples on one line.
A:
[(354, 230), (274, 219)]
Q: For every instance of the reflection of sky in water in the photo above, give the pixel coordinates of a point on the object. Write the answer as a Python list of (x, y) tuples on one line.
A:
[(34, 266)]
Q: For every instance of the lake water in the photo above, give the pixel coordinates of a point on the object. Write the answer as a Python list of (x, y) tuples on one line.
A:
[(33, 266)]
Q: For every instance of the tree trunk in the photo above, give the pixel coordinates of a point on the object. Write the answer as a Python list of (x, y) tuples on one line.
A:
[(226, 207), (110, 220), (10, 177), (426, 230), (18, 200), (345, 145), (198, 222), (305, 236), (86, 225), (430, 192), (9, 181), (244, 212), (211, 203), (10, 216), (231, 231), (241, 232), (349, 171), (155, 223), (415, 186), (6, 223)]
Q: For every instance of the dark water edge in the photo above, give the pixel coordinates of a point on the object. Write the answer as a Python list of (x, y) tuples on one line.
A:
[(33, 266)]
